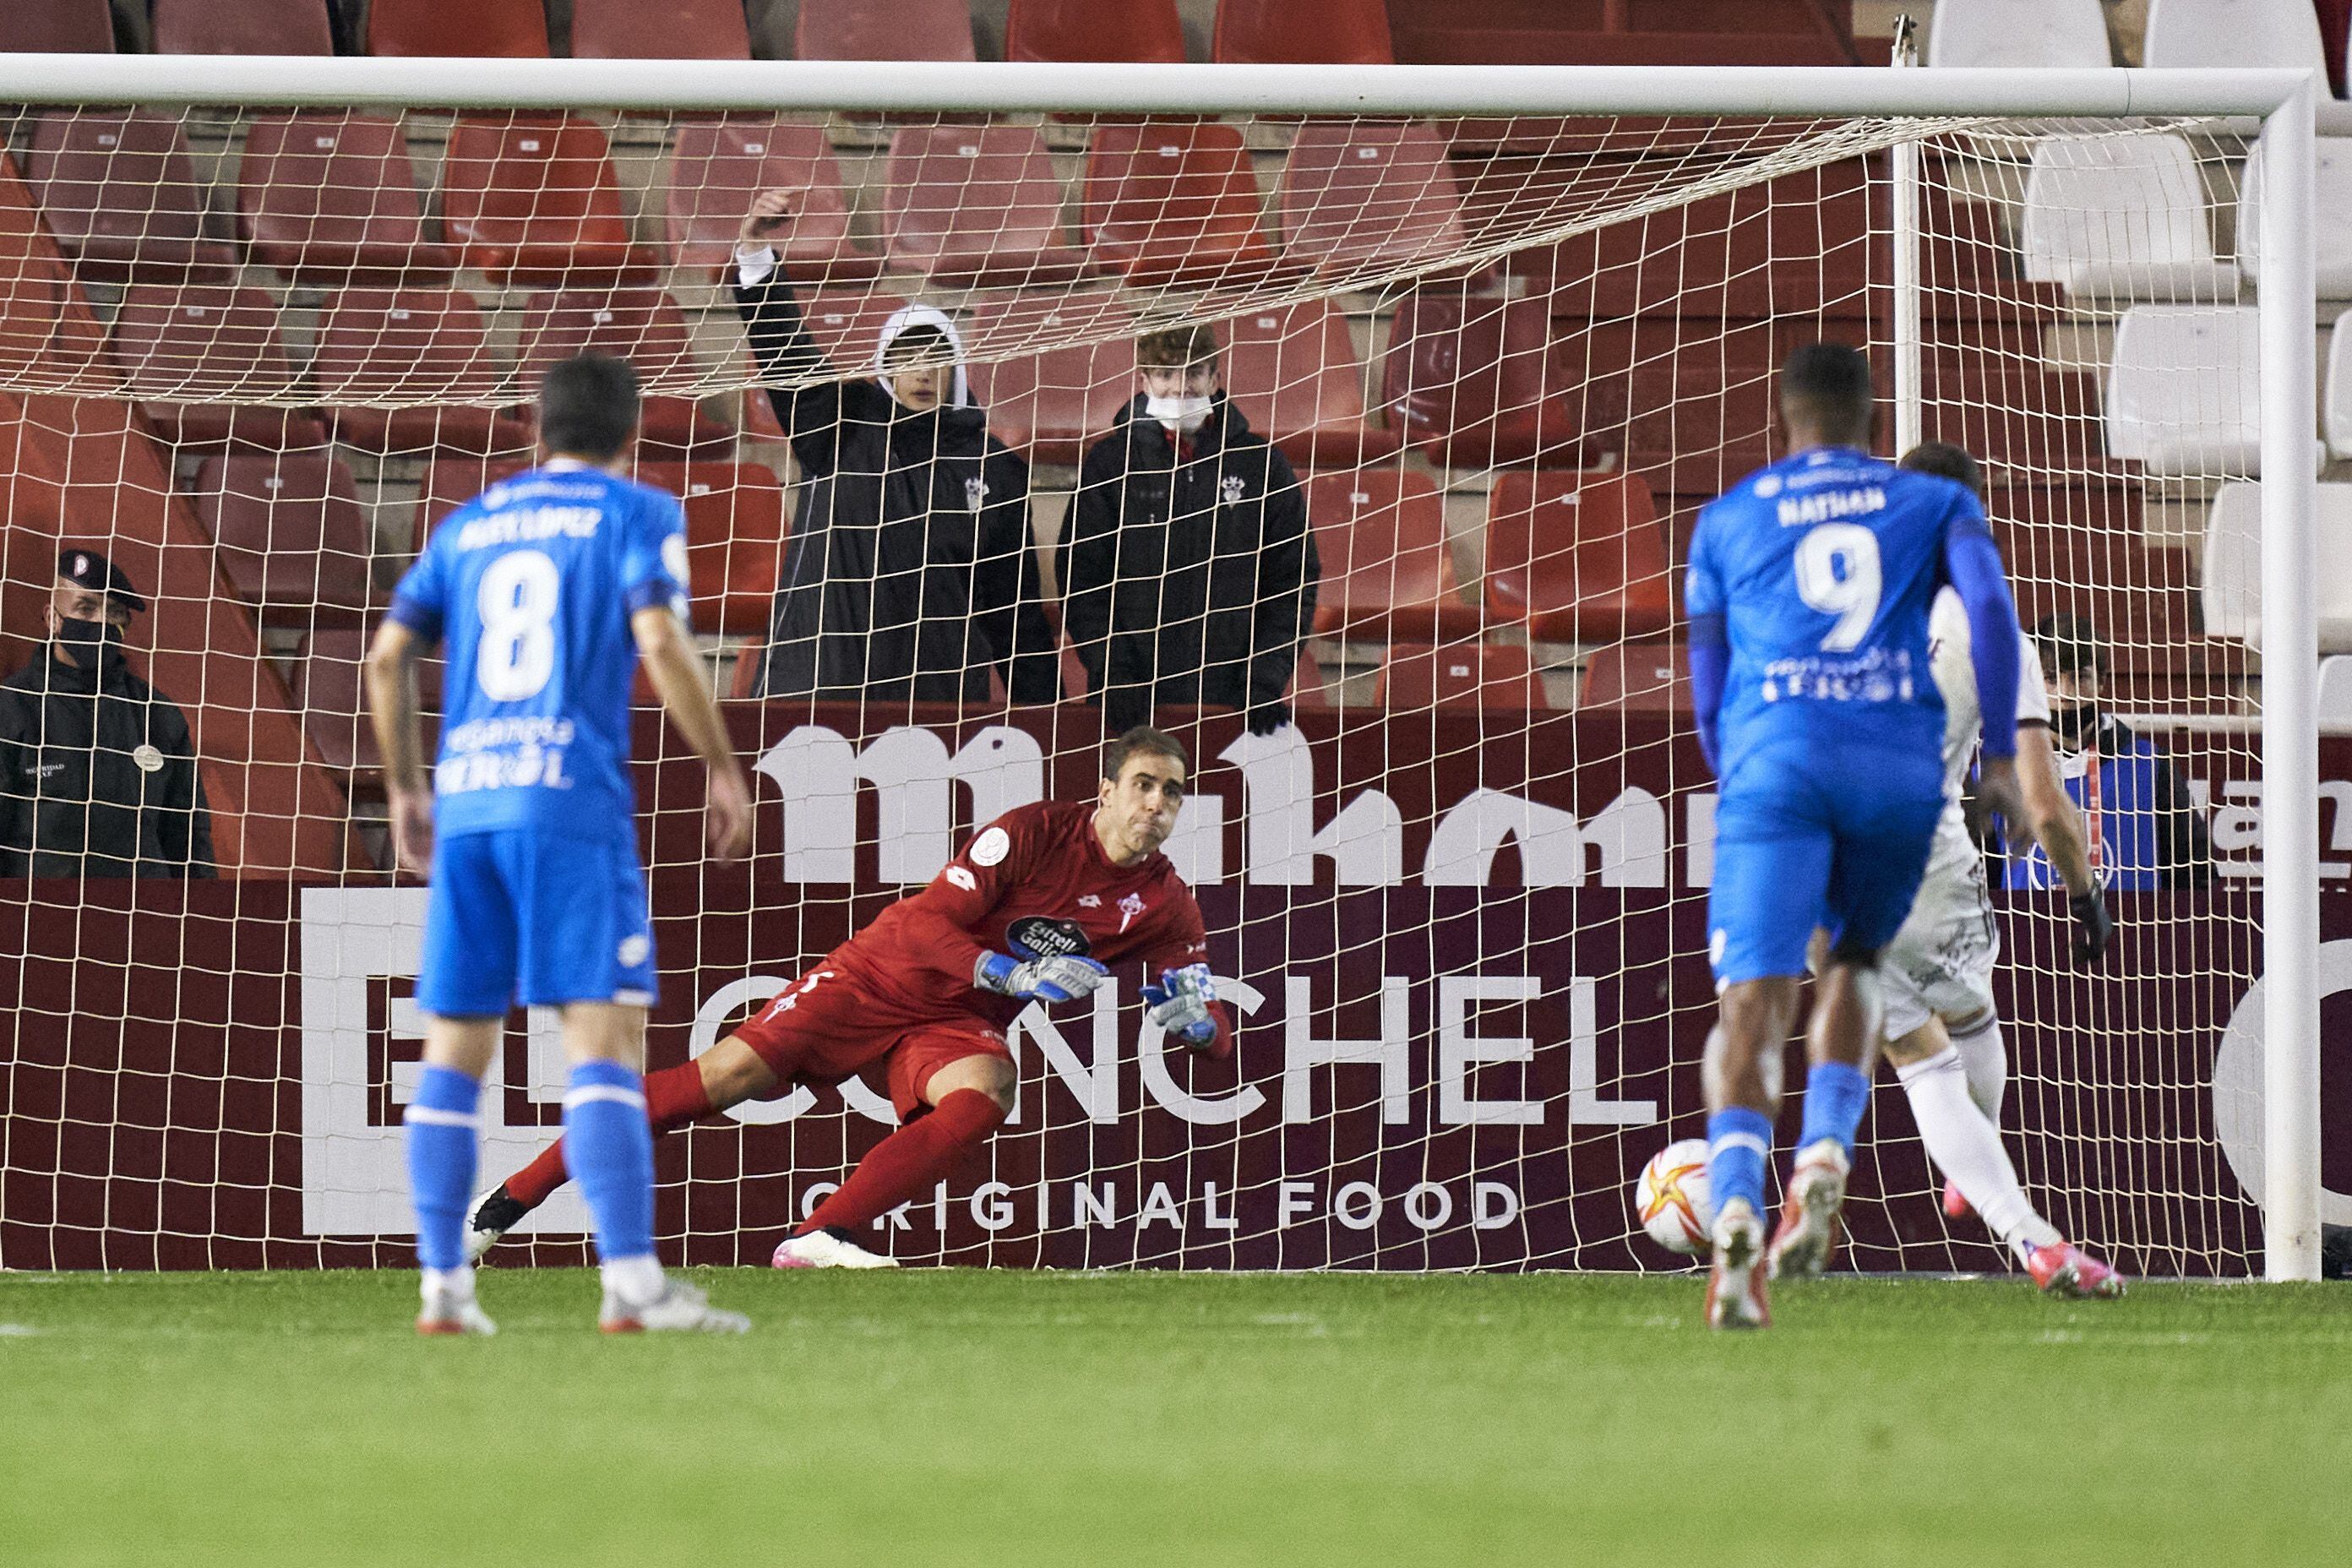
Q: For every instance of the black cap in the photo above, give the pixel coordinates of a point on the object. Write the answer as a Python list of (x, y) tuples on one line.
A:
[(89, 569)]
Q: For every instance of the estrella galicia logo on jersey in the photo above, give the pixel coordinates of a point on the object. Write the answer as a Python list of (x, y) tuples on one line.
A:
[(1042, 936)]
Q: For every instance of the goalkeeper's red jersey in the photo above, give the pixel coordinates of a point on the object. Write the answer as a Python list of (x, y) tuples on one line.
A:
[(1034, 881)]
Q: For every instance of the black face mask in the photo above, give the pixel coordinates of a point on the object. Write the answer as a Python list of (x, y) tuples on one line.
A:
[(83, 639)]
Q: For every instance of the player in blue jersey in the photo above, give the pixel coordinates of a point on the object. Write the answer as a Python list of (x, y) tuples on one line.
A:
[(545, 590), (1807, 595)]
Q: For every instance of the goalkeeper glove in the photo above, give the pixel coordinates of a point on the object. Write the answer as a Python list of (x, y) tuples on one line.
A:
[(2092, 927), (1058, 977), (1180, 1003)]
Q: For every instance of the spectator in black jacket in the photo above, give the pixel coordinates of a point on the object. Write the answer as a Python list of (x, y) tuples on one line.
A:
[(911, 571), (1188, 571), (98, 778)]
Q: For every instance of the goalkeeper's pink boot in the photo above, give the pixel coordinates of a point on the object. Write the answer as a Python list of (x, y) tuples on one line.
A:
[(2064, 1270), (1956, 1203), (828, 1248)]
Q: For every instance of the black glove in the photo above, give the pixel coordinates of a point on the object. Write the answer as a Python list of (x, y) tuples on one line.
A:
[(2092, 927), (1267, 715)]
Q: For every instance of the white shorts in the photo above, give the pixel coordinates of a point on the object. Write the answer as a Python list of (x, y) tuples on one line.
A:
[(1940, 963)]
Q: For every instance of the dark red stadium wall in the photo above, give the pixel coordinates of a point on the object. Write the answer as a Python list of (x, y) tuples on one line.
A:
[(1626, 32), (141, 1130), (86, 469)]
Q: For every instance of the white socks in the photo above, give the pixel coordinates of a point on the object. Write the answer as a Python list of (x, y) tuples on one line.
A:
[(1966, 1146), (635, 1280), (1985, 1055)]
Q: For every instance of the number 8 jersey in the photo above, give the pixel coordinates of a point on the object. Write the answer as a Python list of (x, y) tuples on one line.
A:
[(531, 585), (1822, 567)]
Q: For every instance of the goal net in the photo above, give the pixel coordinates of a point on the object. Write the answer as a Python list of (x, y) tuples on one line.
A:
[(1448, 824)]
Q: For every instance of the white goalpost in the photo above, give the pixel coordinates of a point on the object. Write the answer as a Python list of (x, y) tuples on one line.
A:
[(1506, 328)]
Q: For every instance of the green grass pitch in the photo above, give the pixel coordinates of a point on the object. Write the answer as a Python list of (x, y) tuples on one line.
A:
[(967, 1418)]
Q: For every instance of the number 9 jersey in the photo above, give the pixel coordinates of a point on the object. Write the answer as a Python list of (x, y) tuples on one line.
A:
[(531, 585), (537, 895), (1824, 567)]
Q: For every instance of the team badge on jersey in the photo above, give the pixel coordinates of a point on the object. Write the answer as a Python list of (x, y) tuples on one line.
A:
[(1233, 490), (1130, 908), (990, 847), (975, 490), (1044, 937)]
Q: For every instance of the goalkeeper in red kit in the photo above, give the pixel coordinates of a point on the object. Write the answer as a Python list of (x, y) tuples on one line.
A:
[(1036, 906)]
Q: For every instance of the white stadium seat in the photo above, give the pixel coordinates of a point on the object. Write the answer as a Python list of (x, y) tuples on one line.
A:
[(2018, 33), (2335, 399), (2235, 33), (2184, 394), (2232, 580), (2331, 218), (2121, 215)]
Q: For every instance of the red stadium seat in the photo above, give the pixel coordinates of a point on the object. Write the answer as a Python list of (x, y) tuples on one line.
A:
[(736, 528), (1473, 380), (331, 198), (1292, 370), (241, 26), (1644, 33), (288, 535), (1284, 32), (330, 689), (1148, 31), (1050, 406), (718, 166), (1172, 201), (1367, 195), (1417, 676), (1651, 677), (1577, 557), (476, 29), (200, 341), (883, 30), (1306, 683), (1388, 566), (424, 344), (533, 199), (56, 27), (674, 30), (640, 325), (976, 204), (119, 193)]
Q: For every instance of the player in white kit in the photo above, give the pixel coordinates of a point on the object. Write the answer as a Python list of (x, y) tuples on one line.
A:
[(1943, 1032)]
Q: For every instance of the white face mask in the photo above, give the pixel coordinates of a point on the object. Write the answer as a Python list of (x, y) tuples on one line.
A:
[(1185, 413)]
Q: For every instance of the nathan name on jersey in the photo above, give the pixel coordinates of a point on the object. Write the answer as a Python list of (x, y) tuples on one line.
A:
[(1823, 565), (531, 585)]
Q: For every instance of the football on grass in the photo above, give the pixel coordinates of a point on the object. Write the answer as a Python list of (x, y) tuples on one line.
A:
[(1670, 1196)]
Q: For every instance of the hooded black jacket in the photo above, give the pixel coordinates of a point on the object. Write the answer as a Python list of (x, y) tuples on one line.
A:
[(1191, 582), (910, 571), (97, 776)]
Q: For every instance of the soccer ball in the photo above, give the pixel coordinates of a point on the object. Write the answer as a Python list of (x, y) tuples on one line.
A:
[(1671, 1197)]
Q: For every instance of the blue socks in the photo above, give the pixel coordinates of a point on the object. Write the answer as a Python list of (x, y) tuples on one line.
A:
[(1738, 1141), (442, 1130), (1835, 1097), (609, 1148)]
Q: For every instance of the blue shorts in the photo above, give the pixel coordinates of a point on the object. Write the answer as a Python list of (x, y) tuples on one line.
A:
[(521, 916), (1811, 836)]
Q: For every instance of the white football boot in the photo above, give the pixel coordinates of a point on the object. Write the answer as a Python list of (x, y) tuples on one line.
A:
[(452, 1310), (827, 1249), (491, 1216), (1734, 1286), (1808, 1236), (680, 1308)]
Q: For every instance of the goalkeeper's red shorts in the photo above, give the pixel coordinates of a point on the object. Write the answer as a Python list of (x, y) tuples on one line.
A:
[(825, 1027)]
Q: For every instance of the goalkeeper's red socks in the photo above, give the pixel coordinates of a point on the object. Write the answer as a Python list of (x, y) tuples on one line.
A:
[(674, 1097), (909, 1161)]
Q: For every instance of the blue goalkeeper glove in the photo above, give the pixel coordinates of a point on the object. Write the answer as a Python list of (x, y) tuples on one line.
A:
[(1180, 1003), (1057, 977)]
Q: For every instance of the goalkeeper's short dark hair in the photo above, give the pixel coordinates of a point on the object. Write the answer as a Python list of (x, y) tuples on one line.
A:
[(1828, 386), (1949, 461), (1143, 740), (588, 407)]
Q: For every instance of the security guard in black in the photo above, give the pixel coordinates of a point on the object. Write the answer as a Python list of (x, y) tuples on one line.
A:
[(98, 776)]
